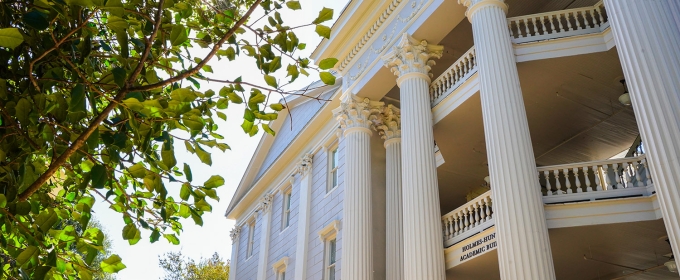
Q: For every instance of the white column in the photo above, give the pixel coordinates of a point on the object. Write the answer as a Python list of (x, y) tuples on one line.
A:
[(647, 36), (423, 246), (265, 208), (304, 212), (235, 235), (523, 241), (355, 117), (389, 127)]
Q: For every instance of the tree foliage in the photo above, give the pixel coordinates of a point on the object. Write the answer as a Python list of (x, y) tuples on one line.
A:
[(94, 97), (179, 267)]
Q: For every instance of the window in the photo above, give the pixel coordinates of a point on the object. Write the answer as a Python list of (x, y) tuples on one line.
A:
[(286, 209), (251, 237), (333, 169), (280, 268), (329, 263), (281, 275)]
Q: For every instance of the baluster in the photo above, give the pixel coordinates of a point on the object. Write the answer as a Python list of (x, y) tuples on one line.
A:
[(598, 181), (552, 24), (577, 22), (512, 35), (585, 175), (605, 173), (538, 25), (466, 66), (548, 187), (456, 224), (472, 211), (466, 219), (592, 21), (639, 174), (578, 181), (648, 177), (599, 15), (451, 220), (482, 217), (567, 183), (559, 22), (567, 16), (558, 185), (445, 229), (629, 175), (478, 209), (617, 176), (526, 27), (487, 200)]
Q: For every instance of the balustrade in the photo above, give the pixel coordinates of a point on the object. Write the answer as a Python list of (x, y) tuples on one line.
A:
[(457, 73), (468, 219), (596, 176), (557, 24)]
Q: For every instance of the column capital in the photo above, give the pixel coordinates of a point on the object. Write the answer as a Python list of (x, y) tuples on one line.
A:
[(305, 164), (411, 57), (235, 233), (357, 114), (389, 124), (266, 202), (474, 5)]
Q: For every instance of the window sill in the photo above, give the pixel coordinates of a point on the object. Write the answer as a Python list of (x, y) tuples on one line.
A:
[(330, 192)]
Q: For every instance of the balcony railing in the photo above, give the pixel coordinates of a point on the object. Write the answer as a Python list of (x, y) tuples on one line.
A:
[(557, 24), (471, 218), (595, 180), (453, 77)]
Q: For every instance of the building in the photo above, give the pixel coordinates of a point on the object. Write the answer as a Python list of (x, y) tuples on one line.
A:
[(537, 171)]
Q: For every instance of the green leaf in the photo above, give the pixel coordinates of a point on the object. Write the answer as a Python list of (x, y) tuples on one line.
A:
[(268, 129), (185, 191), (23, 108), (46, 220), (183, 95), (214, 182), (178, 35), (155, 235), (197, 218), (328, 63), (131, 233), (138, 170), (168, 157), (184, 211), (327, 78), (10, 38), (324, 15), (292, 72), (293, 5), (271, 81), (77, 103), (133, 104), (3, 201), (112, 264), (203, 205), (117, 24), (98, 176), (193, 122), (36, 20), (276, 106), (119, 76), (29, 253), (187, 172), (204, 156), (115, 7), (323, 31), (219, 115), (172, 238), (235, 98)]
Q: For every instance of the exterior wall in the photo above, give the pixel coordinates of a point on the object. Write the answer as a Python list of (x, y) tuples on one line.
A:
[(246, 268), (325, 208), (282, 242)]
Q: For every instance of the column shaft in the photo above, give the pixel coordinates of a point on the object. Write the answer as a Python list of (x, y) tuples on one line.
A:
[(395, 225), (523, 242), (357, 243), (423, 247), (647, 37), (235, 234), (304, 213), (265, 206)]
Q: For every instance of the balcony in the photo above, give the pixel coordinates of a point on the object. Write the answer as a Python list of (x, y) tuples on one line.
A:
[(597, 192)]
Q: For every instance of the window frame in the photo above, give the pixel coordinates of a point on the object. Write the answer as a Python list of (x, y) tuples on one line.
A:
[(251, 239), (286, 208), (333, 167), (330, 258), (280, 268)]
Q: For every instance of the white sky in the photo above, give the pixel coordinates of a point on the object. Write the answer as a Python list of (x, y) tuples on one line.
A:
[(196, 242)]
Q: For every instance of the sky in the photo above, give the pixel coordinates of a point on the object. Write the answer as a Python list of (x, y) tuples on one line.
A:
[(201, 242)]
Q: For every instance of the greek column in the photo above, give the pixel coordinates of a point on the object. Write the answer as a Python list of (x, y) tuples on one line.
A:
[(423, 247), (265, 207), (523, 241), (305, 170), (647, 39), (389, 128), (355, 116), (235, 234)]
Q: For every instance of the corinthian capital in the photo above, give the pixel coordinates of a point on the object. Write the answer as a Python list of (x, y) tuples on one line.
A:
[(234, 233), (305, 164), (475, 5), (389, 124), (411, 56), (357, 113), (266, 202)]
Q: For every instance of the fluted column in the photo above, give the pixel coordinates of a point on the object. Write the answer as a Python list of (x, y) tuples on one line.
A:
[(235, 235), (354, 115), (389, 128), (265, 207), (304, 212), (523, 241), (423, 247), (647, 39)]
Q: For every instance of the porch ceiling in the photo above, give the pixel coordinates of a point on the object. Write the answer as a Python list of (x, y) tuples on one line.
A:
[(629, 244), (573, 112)]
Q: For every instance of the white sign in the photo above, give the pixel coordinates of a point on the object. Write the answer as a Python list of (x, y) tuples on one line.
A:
[(477, 247)]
